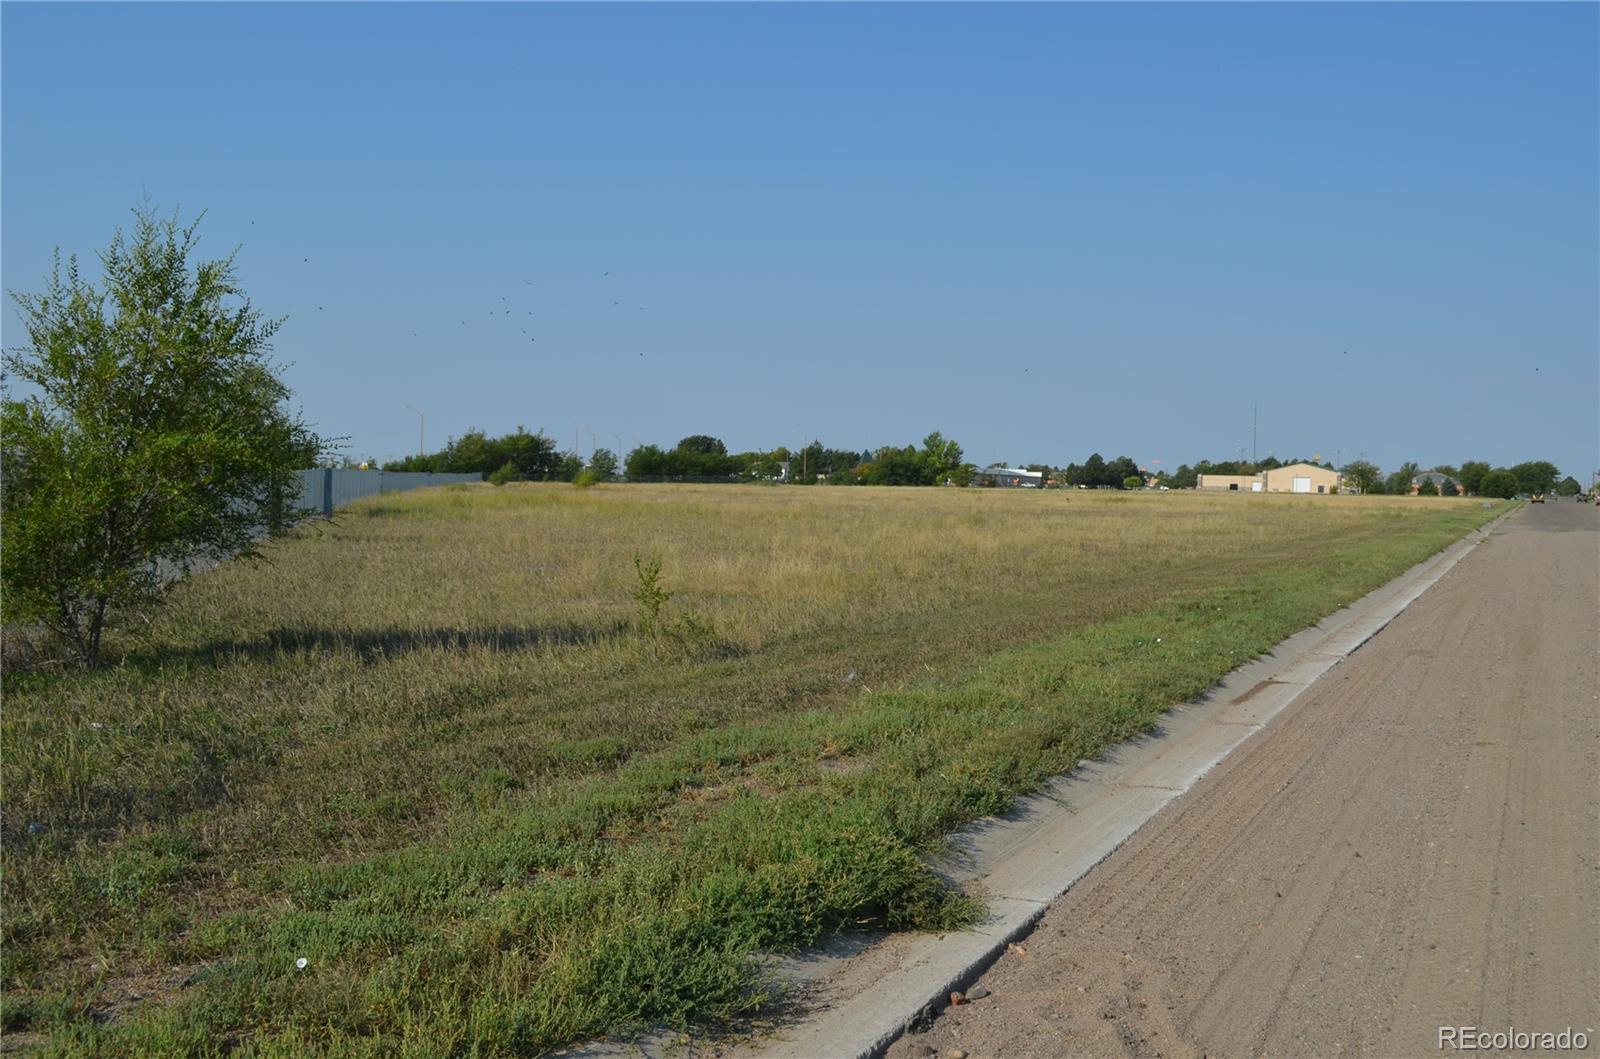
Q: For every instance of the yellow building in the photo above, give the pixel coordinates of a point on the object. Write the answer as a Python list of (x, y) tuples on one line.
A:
[(1294, 478), (1237, 483), (1302, 478)]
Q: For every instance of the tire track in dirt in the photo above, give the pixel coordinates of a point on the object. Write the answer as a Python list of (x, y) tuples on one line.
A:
[(1410, 844)]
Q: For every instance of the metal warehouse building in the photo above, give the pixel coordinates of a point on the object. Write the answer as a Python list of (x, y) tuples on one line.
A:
[(1294, 478)]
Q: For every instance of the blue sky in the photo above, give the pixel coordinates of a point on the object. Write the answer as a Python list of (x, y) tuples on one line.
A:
[(1042, 230)]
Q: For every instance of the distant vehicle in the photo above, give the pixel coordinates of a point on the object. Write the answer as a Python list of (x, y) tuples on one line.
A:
[(1536, 498)]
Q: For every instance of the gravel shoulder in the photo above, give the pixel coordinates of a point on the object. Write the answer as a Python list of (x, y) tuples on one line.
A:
[(1411, 844)]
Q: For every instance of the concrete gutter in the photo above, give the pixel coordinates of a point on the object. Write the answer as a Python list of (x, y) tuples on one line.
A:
[(1026, 859)]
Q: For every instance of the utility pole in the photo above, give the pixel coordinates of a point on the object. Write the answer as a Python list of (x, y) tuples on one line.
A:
[(421, 425), (1254, 422)]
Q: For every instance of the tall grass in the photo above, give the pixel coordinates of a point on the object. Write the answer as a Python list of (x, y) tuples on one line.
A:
[(431, 750)]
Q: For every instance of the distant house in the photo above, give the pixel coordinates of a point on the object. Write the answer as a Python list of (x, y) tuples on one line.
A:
[(1447, 485), (1010, 477), (1292, 478)]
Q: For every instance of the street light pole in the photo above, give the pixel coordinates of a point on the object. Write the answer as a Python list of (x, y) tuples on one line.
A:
[(422, 423)]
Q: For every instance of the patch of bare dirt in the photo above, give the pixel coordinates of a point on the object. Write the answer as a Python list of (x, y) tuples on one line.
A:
[(1410, 845)]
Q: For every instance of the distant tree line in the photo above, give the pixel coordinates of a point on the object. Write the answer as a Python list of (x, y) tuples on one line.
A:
[(936, 462), (520, 456), (533, 456), (697, 457), (1477, 477), (1098, 473)]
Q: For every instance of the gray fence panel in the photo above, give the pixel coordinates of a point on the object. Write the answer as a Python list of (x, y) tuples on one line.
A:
[(325, 490)]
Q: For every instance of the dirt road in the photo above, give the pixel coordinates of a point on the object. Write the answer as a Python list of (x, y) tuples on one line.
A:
[(1412, 844)]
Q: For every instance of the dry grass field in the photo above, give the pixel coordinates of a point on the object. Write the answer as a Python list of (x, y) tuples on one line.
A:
[(443, 751)]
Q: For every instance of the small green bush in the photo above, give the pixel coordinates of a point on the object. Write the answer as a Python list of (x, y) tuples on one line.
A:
[(649, 593), (586, 478), (507, 473)]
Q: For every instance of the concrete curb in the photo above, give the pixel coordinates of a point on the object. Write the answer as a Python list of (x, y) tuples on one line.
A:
[(1028, 858)]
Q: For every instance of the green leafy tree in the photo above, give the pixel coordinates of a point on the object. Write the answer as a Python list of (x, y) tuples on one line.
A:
[(1184, 477), (1536, 476), (568, 466), (1470, 475), (1119, 470), (1427, 487), (534, 454), (942, 456), (836, 465), (1501, 483), (155, 437), (702, 445), (1133, 481), (1360, 476), (762, 466), (1568, 486), (891, 465), (603, 462), (1399, 483), (646, 461), (701, 456), (474, 452)]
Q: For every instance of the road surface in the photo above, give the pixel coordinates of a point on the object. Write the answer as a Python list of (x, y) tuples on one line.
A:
[(1411, 844)]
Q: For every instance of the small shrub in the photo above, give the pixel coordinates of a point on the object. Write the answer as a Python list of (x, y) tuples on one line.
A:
[(649, 594), (1133, 481), (507, 473), (586, 478)]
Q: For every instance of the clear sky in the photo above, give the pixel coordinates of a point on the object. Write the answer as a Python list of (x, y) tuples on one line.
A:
[(1042, 230)]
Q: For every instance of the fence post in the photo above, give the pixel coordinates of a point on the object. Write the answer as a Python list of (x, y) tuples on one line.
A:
[(327, 492)]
